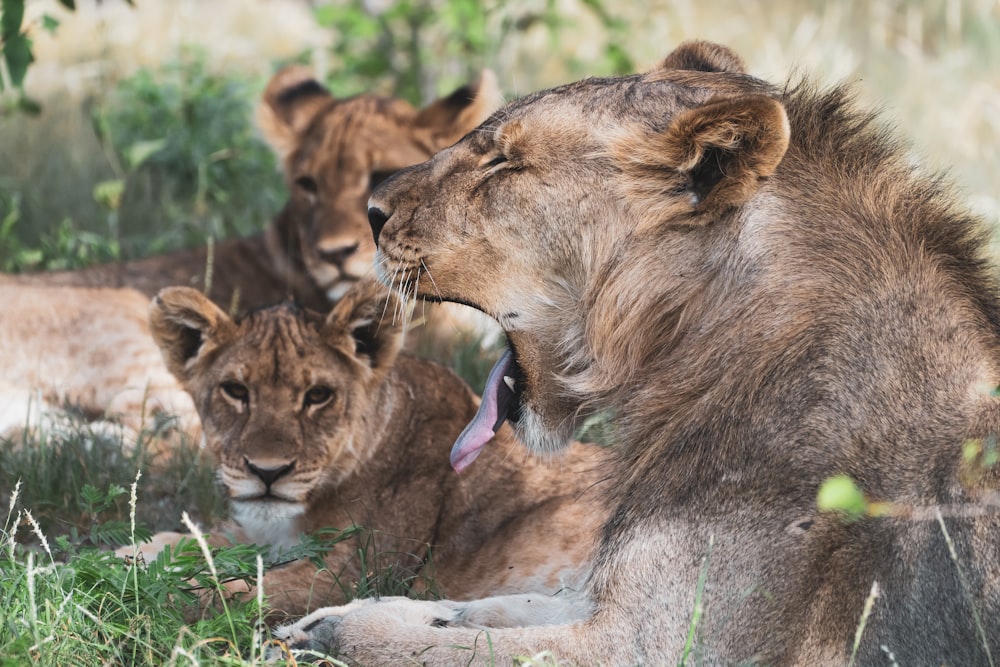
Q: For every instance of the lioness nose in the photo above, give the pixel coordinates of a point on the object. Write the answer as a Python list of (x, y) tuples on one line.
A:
[(377, 219), (269, 475)]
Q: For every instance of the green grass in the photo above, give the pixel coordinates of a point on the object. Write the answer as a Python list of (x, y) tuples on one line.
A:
[(74, 491)]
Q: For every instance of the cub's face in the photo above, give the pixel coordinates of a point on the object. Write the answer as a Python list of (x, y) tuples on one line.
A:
[(335, 151), (283, 395), (562, 193)]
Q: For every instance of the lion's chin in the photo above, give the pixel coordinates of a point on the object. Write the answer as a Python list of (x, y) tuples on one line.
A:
[(538, 436)]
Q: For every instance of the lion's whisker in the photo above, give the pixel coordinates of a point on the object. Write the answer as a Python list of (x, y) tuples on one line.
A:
[(431, 278)]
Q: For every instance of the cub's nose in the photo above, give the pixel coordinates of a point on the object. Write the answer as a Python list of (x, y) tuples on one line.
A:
[(377, 219)]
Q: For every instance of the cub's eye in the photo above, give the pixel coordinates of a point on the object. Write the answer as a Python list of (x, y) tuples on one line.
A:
[(317, 395), (307, 184), (494, 161), (236, 391)]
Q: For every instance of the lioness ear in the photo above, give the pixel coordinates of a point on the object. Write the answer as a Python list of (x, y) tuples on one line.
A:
[(289, 104), (704, 57), (710, 158), (451, 118), (185, 324), (365, 323)]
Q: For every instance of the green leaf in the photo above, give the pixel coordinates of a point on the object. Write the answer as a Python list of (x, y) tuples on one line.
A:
[(71, 4), (11, 16), (140, 151), (109, 193), (840, 494), (49, 23), (17, 53)]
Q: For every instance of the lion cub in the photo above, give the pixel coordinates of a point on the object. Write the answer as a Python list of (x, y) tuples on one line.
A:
[(320, 422)]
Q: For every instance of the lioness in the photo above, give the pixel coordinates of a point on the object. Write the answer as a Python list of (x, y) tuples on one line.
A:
[(318, 422), (766, 292), (89, 347), (333, 152)]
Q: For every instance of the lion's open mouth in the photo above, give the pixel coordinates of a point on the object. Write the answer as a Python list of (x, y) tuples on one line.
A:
[(501, 401)]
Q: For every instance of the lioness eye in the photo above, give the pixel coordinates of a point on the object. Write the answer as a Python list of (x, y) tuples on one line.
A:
[(318, 395), (236, 391), (307, 184)]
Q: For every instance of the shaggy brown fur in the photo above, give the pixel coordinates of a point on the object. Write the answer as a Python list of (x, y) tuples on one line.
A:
[(765, 292), (316, 423)]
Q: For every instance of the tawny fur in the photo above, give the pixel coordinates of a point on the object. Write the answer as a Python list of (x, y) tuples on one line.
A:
[(331, 150), (89, 348), (765, 292), (373, 452)]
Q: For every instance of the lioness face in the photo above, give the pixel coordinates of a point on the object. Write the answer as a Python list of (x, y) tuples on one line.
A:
[(282, 394), (526, 216), (334, 152)]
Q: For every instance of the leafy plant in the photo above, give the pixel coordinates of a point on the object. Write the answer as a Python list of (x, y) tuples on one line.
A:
[(16, 51), (191, 164), (424, 46)]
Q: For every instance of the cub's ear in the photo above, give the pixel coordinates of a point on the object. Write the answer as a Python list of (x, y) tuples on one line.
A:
[(450, 118), (710, 158), (704, 57), (290, 102), (366, 324), (187, 326)]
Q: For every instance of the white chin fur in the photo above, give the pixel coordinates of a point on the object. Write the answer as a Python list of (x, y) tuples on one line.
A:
[(538, 436), (269, 523)]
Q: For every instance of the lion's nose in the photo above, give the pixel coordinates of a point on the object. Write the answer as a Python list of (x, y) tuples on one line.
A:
[(268, 474), (377, 219)]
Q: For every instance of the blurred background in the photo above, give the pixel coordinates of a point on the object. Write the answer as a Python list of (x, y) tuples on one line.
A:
[(132, 133)]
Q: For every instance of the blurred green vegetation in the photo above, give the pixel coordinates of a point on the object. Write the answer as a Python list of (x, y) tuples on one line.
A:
[(416, 48), (179, 162)]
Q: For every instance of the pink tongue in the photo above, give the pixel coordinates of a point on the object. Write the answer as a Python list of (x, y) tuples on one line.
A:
[(491, 416)]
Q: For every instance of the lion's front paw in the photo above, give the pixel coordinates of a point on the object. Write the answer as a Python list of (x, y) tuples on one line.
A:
[(324, 631), (319, 637)]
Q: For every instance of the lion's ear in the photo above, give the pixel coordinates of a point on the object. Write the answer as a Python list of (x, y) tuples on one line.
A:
[(450, 118), (710, 158), (185, 323), (290, 102), (703, 56), (366, 323)]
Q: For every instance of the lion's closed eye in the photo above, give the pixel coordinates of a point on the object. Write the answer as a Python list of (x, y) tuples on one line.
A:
[(493, 160)]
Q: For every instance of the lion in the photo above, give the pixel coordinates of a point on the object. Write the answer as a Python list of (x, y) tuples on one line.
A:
[(319, 422), (764, 291), (333, 152)]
